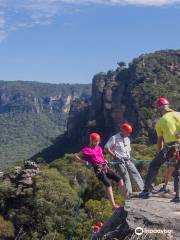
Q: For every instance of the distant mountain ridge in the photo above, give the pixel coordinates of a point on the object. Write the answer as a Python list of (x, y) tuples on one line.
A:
[(32, 114), (38, 97)]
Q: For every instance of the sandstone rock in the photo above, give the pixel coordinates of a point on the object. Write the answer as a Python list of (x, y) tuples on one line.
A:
[(27, 175), (155, 218), (12, 176), (19, 190), (154, 213), (18, 169), (30, 165), (22, 178), (27, 181), (7, 180)]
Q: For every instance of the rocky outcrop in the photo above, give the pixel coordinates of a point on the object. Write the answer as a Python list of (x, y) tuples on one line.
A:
[(153, 218), (22, 177)]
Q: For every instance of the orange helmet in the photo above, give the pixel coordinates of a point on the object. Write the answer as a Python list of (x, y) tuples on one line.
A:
[(95, 137), (127, 127)]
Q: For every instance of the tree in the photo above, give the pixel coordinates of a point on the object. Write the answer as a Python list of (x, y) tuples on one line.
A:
[(121, 65)]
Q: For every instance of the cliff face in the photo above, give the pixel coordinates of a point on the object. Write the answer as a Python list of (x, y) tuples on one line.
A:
[(129, 94)]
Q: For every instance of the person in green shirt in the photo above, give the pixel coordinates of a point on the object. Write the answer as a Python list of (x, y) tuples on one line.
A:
[(167, 129), (168, 144)]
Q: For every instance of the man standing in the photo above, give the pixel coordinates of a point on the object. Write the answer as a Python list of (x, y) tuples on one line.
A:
[(168, 142), (119, 148)]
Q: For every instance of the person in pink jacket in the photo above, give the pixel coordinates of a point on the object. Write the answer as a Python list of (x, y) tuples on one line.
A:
[(93, 154)]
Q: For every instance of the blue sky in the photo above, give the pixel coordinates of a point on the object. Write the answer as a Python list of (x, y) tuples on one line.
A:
[(71, 40)]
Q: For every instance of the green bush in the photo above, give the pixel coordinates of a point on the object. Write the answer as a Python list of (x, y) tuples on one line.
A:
[(6, 228)]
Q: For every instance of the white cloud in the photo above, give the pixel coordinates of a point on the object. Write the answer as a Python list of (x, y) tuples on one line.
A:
[(15, 14), (149, 2), (126, 2)]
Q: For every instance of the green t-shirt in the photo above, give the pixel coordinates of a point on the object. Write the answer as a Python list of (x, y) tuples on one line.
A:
[(168, 126)]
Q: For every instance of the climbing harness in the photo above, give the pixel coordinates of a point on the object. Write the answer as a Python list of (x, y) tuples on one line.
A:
[(168, 148), (101, 167), (177, 150), (178, 154)]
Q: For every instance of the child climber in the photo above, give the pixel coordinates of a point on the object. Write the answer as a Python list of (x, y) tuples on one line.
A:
[(92, 154)]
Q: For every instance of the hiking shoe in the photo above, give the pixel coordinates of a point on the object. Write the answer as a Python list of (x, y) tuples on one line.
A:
[(145, 194), (164, 189), (175, 200), (116, 206)]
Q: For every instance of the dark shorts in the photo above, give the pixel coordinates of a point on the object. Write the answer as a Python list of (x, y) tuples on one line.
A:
[(171, 153), (105, 175)]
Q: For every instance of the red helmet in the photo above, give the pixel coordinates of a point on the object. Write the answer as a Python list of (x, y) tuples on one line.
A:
[(97, 226), (127, 127), (161, 102), (95, 137)]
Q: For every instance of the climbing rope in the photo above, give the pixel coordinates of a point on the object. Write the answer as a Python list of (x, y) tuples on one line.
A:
[(115, 162)]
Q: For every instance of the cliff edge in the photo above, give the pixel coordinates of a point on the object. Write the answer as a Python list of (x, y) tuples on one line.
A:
[(153, 218)]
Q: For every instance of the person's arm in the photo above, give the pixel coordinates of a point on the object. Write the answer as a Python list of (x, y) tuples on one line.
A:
[(109, 151), (129, 147), (160, 143), (78, 157), (107, 147), (160, 140)]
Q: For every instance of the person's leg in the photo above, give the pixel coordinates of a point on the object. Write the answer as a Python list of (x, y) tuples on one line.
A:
[(122, 171), (101, 175), (169, 172), (153, 170), (123, 189), (112, 175), (177, 182), (110, 195), (133, 172), (154, 166)]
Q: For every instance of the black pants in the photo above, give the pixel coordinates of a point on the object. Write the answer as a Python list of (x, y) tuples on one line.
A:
[(106, 175), (156, 163)]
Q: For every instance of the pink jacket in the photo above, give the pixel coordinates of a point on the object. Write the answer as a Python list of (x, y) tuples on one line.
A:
[(93, 155)]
